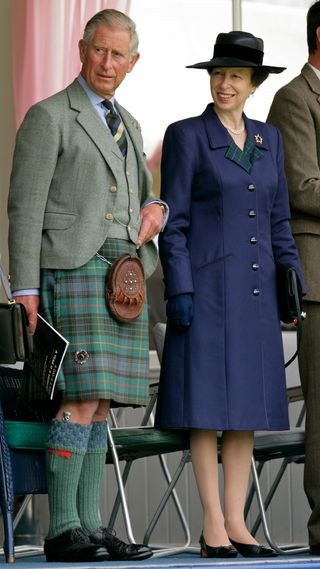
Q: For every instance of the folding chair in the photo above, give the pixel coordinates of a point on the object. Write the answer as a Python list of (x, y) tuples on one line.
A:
[(144, 441), (270, 445), (22, 465), (274, 445), (22, 462)]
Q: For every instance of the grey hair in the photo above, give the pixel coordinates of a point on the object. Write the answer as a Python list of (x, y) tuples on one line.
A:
[(112, 18)]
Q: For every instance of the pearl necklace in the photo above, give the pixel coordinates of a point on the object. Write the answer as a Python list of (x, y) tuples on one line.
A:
[(234, 131)]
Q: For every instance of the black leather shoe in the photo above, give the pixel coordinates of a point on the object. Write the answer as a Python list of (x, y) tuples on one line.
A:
[(314, 549), (119, 550), (74, 545), (252, 550), (221, 551)]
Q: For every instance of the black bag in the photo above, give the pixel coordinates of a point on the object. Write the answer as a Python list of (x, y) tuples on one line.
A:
[(290, 301), (289, 293), (15, 340)]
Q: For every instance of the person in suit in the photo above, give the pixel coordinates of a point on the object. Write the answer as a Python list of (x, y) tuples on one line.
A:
[(295, 111), (79, 198), (223, 365)]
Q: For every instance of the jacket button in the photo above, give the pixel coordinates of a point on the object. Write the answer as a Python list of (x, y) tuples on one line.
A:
[(255, 266), (109, 216), (113, 189), (256, 291), (252, 213), (251, 188), (253, 240)]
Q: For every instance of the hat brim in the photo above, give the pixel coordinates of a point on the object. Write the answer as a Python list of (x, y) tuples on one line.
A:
[(233, 62)]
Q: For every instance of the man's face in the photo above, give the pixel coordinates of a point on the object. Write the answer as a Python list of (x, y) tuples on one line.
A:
[(106, 59)]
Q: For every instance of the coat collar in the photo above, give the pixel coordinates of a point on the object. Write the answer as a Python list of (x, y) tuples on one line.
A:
[(218, 136)]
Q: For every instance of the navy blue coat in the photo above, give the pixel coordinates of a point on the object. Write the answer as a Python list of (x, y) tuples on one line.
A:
[(227, 229)]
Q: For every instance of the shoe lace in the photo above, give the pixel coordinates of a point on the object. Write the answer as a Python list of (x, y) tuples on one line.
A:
[(110, 536), (79, 536)]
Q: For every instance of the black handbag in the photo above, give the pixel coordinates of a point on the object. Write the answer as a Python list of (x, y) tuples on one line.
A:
[(15, 340), (289, 293), (290, 301)]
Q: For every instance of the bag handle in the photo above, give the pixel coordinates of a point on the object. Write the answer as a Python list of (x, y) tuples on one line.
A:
[(300, 315), (6, 285)]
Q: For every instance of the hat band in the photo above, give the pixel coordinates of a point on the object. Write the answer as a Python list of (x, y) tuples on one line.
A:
[(238, 52)]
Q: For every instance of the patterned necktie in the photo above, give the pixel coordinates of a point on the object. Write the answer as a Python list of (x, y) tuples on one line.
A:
[(116, 126)]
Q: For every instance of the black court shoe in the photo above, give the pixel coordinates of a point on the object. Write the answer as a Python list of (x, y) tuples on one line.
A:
[(117, 549), (252, 550), (221, 551), (73, 545)]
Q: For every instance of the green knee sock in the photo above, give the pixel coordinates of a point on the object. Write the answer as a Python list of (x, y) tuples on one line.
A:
[(66, 447), (89, 488)]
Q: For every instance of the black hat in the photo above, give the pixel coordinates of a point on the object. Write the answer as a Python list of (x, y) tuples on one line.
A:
[(237, 49)]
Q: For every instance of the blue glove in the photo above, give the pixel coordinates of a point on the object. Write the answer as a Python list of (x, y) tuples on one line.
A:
[(180, 310)]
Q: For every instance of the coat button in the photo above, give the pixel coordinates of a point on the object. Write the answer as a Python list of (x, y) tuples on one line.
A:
[(255, 266), (252, 213), (256, 291), (109, 216), (113, 189), (251, 188), (253, 240)]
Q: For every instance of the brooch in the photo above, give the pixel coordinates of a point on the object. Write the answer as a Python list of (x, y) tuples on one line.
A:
[(81, 357), (258, 138)]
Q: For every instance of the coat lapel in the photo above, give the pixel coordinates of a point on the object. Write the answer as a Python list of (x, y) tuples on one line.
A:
[(218, 137)]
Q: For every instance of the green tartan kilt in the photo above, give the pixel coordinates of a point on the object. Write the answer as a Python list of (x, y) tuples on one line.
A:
[(115, 356)]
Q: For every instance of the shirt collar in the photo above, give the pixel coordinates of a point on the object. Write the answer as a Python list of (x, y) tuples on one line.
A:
[(94, 98)]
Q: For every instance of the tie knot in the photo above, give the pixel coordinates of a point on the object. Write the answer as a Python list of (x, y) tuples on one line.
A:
[(108, 105)]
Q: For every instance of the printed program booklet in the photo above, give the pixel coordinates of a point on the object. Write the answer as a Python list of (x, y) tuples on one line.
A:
[(49, 349)]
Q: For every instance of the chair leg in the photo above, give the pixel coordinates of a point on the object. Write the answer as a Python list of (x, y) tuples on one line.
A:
[(170, 492), (7, 494), (279, 550), (123, 498), (22, 510), (117, 501)]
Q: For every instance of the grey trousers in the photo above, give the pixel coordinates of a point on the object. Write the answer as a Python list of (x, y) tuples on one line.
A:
[(309, 367)]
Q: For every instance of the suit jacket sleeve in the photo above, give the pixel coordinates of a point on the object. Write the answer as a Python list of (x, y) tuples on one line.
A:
[(34, 163)]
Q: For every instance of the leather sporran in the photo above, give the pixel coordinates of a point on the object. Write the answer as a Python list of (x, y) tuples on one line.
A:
[(125, 288)]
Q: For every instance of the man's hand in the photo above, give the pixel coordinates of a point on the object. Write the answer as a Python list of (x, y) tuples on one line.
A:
[(151, 223), (31, 303)]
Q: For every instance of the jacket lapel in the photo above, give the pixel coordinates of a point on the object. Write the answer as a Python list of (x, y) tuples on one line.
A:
[(312, 80), (134, 132), (91, 123)]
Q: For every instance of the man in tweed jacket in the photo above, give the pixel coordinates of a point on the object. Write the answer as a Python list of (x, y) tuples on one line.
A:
[(74, 194), (296, 112)]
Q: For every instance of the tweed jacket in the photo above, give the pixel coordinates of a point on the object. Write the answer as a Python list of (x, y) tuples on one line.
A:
[(295, 110), (63, 188)]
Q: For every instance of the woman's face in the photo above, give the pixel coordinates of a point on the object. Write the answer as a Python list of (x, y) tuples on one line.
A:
[(230, 87)]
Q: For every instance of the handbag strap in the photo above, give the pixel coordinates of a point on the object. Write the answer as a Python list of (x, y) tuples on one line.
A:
[(6, 285), (299, 320)]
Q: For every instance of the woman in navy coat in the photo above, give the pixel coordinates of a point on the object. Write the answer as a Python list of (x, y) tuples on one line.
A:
[(223, 365)]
